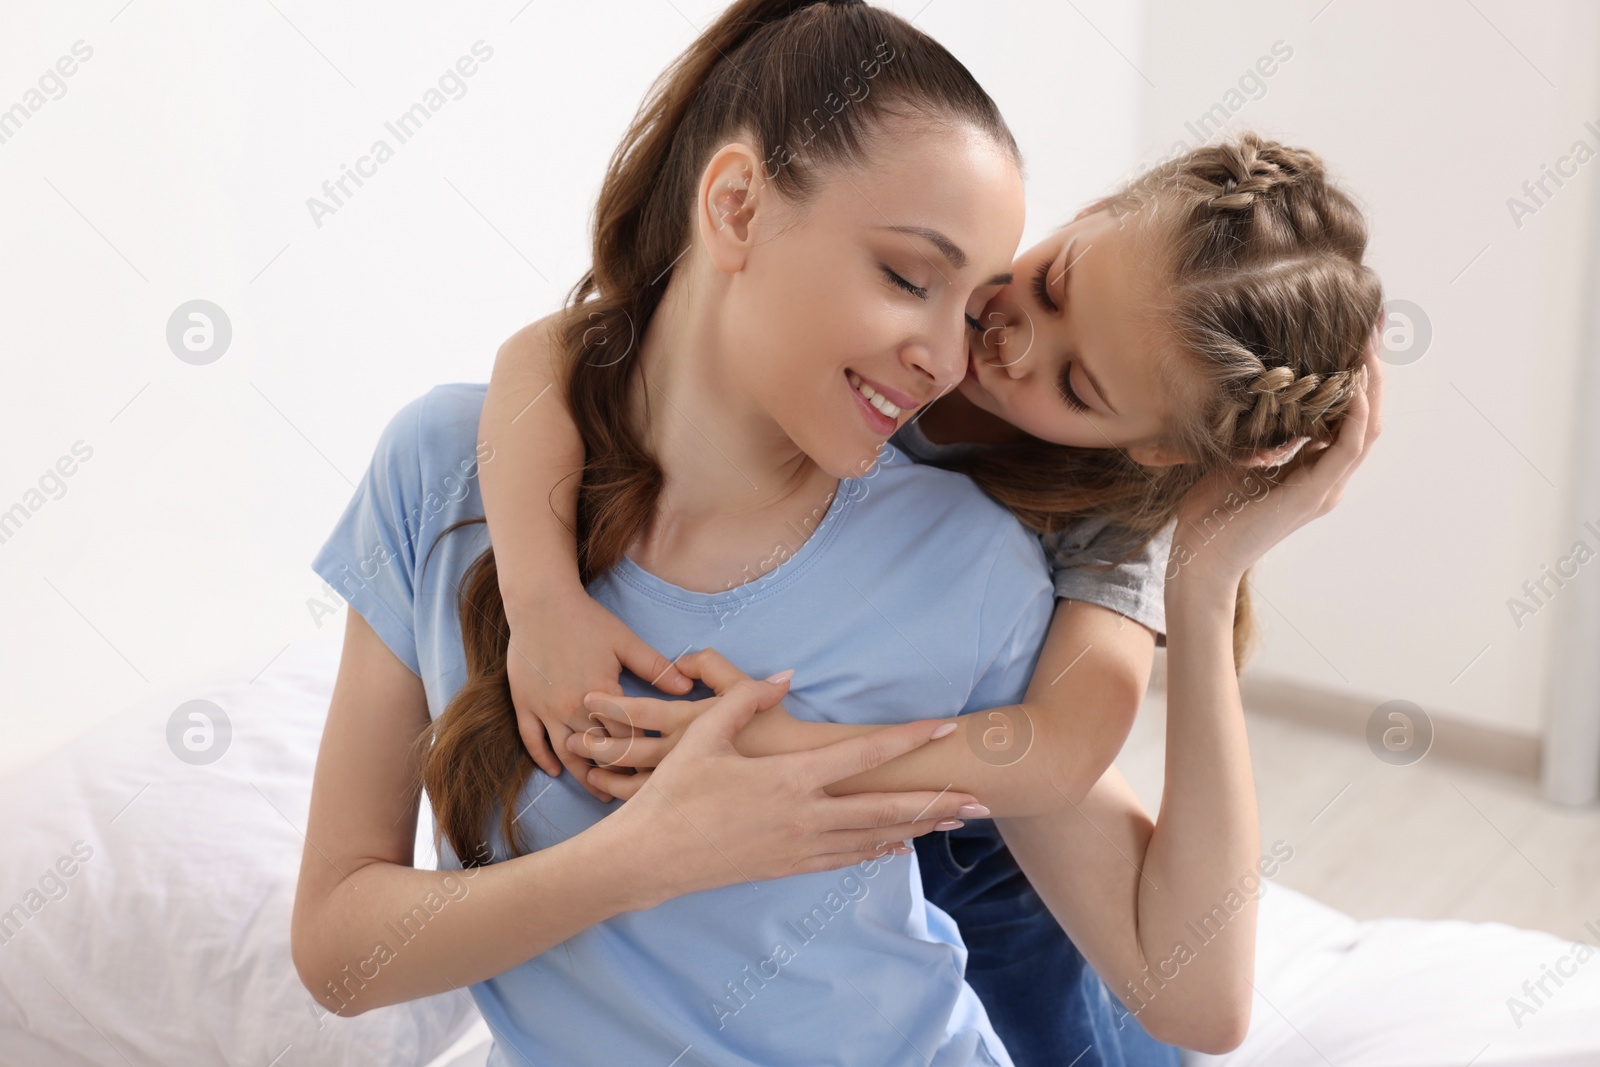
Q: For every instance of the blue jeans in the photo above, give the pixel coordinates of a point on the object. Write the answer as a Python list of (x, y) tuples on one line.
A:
[(1046, 1003)]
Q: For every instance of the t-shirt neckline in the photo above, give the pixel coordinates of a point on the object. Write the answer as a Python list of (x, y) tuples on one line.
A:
[(786, 572)]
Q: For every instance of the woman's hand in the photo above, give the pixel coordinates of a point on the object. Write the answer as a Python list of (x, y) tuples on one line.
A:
[(709, 816), (560, 649), (1228, 521)]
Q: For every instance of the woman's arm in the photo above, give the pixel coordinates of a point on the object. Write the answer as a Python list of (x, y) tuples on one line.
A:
[(563, 643), (714, 818), (356, 877)]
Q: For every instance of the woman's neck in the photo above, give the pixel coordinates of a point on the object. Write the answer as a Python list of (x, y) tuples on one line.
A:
[(954, 419), (738, 493)]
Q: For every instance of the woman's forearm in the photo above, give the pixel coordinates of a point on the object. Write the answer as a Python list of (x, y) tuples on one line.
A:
[(388, 933)]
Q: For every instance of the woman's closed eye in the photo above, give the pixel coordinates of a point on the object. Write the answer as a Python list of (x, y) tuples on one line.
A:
[(915, 290), (922, 294)]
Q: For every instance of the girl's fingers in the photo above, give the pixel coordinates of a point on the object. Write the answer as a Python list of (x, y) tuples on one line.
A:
[(537, 744), (607, 751), (574, 762), (621, 786), (640, 713), (651, 665), (713, 668)]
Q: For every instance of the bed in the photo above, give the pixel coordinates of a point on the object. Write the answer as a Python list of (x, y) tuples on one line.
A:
[(147, 883)]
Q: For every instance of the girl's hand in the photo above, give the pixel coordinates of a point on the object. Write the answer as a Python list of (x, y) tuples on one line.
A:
[(709, 816), (617, 743), (1230, 519), (561, 649)]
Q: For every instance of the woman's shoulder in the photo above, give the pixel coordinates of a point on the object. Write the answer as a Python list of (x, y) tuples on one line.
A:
[(945, 515), (435, 430)]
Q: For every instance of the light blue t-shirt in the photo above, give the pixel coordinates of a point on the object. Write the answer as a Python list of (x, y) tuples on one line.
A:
[(915, 596)]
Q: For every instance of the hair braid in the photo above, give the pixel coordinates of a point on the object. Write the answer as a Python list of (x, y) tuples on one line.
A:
[(1260, 285)]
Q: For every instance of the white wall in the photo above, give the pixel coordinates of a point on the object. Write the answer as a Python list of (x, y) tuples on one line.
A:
[(177, 165), (1435, 113)]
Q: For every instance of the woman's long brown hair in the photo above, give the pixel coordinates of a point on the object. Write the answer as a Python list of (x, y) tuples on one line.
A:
[(810, 85)]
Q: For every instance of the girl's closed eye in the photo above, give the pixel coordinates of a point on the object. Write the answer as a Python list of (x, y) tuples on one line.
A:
[(1070, 395), (1041, 287)]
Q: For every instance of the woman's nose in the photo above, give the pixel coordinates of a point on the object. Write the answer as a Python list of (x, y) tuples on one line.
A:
[(944, 364)]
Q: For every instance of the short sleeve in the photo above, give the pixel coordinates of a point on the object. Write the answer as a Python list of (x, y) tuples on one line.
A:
[(1090, 561), (1013, 621), (370, 557)]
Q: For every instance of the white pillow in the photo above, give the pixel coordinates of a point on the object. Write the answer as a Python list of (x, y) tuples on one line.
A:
[(145, 900)]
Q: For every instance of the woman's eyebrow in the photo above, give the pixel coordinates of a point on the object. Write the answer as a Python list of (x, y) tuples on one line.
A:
[(947, 248)]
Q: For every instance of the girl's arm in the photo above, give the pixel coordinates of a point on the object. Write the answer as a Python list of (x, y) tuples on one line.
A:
[(1021, 759), (563, 643), (1165, 911), (769, 818), (1131, 892)]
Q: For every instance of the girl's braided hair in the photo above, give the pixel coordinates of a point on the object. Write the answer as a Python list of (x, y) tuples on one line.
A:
[(1258, 282)]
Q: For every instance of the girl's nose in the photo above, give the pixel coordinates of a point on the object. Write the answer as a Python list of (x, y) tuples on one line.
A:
[(1004, 345)]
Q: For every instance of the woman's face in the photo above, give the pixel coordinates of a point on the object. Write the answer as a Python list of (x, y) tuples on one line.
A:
[(852, 310), (1070, 351)]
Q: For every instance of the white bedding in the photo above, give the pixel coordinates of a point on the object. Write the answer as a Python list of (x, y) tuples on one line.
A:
[(169, 944)]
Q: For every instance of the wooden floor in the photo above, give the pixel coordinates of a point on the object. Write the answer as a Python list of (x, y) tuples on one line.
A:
[(1435, 840)]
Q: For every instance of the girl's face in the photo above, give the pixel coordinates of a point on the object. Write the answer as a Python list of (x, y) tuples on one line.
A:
[(1070, 352), (849, 312)]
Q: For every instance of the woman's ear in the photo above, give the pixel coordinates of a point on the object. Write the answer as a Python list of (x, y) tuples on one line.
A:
[(727, 204)]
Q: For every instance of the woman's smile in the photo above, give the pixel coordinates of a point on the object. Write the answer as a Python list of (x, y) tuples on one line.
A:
[(881, 406)]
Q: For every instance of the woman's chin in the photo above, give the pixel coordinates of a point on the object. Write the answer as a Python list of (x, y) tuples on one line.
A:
[(843, 464)]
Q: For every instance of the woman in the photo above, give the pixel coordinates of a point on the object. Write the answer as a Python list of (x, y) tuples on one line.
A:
[(688, 831)]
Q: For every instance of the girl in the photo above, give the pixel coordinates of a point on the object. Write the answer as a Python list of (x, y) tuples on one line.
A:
[(670, 947), (1208, 315)]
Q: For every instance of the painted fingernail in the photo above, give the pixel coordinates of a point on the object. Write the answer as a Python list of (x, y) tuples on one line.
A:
[(944, 731), (973, 811), (781, 677), (948, 824)]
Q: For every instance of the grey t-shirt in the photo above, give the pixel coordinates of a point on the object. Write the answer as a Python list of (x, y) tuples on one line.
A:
[(1134, 587)]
